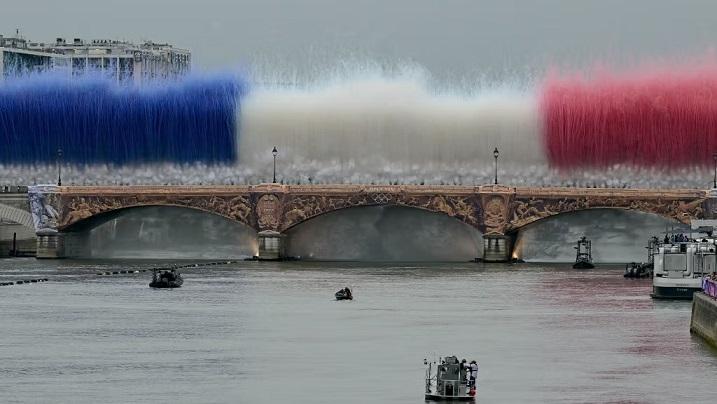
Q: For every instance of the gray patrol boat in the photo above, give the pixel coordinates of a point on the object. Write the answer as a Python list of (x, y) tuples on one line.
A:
[(447, 380)]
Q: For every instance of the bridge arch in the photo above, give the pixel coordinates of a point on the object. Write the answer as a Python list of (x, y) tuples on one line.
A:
[(80, 221), (618, 235), (525, 211), (78, 208), (465, 208), (16, 215), (155, 231), (536, 220), (384, 233)]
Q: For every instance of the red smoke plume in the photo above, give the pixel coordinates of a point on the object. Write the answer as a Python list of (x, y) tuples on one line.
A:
[(655, 118)]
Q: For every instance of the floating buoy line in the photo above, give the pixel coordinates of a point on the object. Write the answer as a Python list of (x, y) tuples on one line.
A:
[(166, 268), (24, 281), (125, 272)]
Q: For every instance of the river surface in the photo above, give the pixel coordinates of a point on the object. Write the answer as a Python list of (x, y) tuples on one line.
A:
[(271, 333)]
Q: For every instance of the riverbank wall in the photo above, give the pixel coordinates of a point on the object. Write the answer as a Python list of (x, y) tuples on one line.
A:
[(704, 317)]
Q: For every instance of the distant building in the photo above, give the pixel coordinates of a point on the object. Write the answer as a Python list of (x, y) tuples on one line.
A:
[(123, 61)]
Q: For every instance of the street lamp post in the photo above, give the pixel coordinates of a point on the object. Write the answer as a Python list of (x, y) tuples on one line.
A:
[(274, 153), (495, 155), (59, 167), (714, 181)]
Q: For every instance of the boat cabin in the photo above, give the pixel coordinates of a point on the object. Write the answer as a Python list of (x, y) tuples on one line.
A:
[(680, 263)]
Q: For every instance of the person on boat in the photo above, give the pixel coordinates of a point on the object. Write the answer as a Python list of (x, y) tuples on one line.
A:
[(169, 276), (474, 373), (465, 372), (347, 292)]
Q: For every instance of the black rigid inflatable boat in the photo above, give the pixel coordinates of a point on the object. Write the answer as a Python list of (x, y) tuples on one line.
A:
[(162, 279)]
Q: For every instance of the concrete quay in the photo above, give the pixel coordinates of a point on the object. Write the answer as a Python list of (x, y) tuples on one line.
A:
[(704, 317)]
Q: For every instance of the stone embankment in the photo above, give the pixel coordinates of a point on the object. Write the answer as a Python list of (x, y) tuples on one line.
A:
[(704, 313)]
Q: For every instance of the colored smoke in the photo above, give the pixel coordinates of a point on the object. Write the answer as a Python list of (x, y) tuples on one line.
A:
[(656, 118), (367, 124), (96, 120)]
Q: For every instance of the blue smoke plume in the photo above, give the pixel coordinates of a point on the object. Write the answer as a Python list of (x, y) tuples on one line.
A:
[(96, 120)]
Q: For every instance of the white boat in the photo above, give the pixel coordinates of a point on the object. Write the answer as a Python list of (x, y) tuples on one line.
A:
[(679, 267), (451, 381)]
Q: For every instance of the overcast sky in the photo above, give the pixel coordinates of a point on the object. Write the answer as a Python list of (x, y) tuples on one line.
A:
[(456, 37)]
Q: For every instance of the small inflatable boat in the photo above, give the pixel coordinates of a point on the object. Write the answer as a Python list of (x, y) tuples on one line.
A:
[(344, 294), (166, 279)]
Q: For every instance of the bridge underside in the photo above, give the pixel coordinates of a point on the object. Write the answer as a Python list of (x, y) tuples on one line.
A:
[(384, 233), (617, 235), (272, 209)]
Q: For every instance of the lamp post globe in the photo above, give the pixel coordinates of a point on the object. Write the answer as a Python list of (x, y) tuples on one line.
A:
[(274, 153), (495, 156)]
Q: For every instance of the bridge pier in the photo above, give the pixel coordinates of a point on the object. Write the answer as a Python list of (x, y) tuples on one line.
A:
[(496, 248), (50, 246), (271, 245), (62, 245)]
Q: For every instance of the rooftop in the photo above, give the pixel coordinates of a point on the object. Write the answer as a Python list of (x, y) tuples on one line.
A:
[(80, 46)]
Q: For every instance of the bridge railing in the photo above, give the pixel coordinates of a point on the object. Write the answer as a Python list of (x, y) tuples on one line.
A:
[(709, 286), (13, 189)]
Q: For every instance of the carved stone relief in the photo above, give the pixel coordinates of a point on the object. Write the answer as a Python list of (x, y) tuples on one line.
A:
[(300, 208), (525, 211), (43, 208), (495, 216), (78, 207), (268, 211)]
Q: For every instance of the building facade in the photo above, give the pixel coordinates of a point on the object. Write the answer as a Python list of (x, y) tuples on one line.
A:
[(120, 60)]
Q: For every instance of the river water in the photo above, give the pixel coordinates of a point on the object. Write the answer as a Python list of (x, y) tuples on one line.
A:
[(271, 333)]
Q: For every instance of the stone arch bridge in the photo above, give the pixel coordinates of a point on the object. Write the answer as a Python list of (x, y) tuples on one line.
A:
[(271, 209)]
